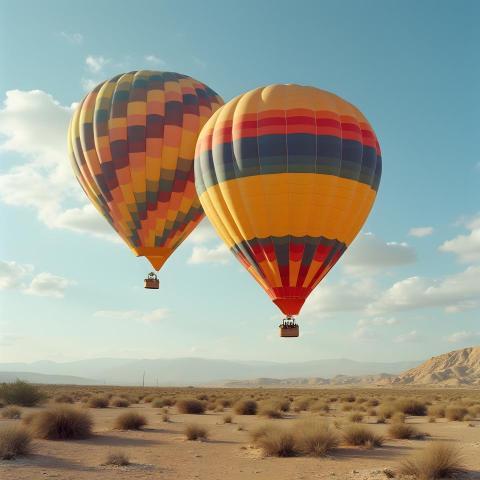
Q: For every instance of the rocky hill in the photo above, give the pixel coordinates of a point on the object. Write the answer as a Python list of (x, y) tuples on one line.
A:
[(460, 367)]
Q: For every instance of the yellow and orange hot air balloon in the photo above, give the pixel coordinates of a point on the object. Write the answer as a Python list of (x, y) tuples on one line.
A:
[(132, 142), (287, 175)]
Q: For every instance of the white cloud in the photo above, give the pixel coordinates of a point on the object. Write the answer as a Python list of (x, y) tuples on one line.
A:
[(96, 63), (89, 83), (408, 337), (347, 295), (203, 233), (463, 336), (377, 321), (368, 252), (151, 317), (218, 254), (368, 328), (420, 232), (12, 274), (34, 126), (466, 247), (154, 60), (21, 277), (75, 38), (455, 292), (48, 285)]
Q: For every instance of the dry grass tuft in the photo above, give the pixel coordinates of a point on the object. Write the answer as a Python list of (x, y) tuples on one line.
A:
[(11, 412), (118, 458), (355, 417), (438, 460), (411, 406), (15, 441), (194, 431), (98, 401), (316, 438), (359, 435), (130, 421), (274, 440), (404, 431), (120, 402), (455, 413), (227, 418), (61, 423), (63, 399), (191, 405), (246, 407)]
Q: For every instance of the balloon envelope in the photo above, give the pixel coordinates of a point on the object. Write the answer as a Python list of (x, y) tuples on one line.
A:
[(287, 175), (132, 142)]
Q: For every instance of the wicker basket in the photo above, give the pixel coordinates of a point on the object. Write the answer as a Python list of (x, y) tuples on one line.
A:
[(291, 331), (152, 282)]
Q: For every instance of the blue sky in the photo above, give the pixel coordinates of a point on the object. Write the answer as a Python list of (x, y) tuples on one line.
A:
[(408, 289)]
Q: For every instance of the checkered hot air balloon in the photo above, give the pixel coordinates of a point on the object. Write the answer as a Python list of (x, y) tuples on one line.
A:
[(132, 142), (287, 175)]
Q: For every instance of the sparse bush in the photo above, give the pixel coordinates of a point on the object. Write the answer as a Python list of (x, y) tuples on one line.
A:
[(455, 413), (21, 393), (194, 431), (437, 411), (315, 438), (386, 411), (15, 441), (119, 459), (398, 417), (355, 417), (191, 405), (246, 407), (275, 441), (320, 406), (165, 417), (373, 402), (404, 431), (98, 401), (130, 421), (61, 423), (227, 419), (11, 412), (120, 402), (410, 406), (270, 412), (301, 404), (438, 460), (359, 435), (63, 399)]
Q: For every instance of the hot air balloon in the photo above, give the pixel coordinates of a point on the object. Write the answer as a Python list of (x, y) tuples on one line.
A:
[(287, 175), (132, 142)]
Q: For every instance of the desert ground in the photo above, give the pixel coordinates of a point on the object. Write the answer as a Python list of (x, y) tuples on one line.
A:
[(160, 449)]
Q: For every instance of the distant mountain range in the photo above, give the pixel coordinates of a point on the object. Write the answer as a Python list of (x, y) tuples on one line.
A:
[(198, 371), (42, 378)]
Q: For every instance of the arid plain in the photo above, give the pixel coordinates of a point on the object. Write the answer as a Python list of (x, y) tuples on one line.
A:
[(350, 433)]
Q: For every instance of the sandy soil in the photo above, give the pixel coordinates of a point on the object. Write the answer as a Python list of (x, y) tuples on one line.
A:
[(160, 451)]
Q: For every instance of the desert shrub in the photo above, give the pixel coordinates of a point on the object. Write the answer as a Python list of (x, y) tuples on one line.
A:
[(282, 405), (398, 417), (15, 441), (11, 412), (355, 417), (130, 421), (202, 396), (275, 441), (373, 402), (118, 458), (21, 393), (301, 404), (437, 411), (474, 411), (371, 412), (347, 407), (359, 435), (227, 419), (165, 417), (349, 398), (270, 412), (315, 438), (148, 398), (438, 460), (190, 405), (63, 399), (246, 407), (224, 402), (386, 410), (410, 406), (120, 402), (320, 406), (61, 423), (194, 431), (455, 412), (98, 401), (404, 431)]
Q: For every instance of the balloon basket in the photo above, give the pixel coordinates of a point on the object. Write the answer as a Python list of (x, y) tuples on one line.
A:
[(288, 328), (152, 282)]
